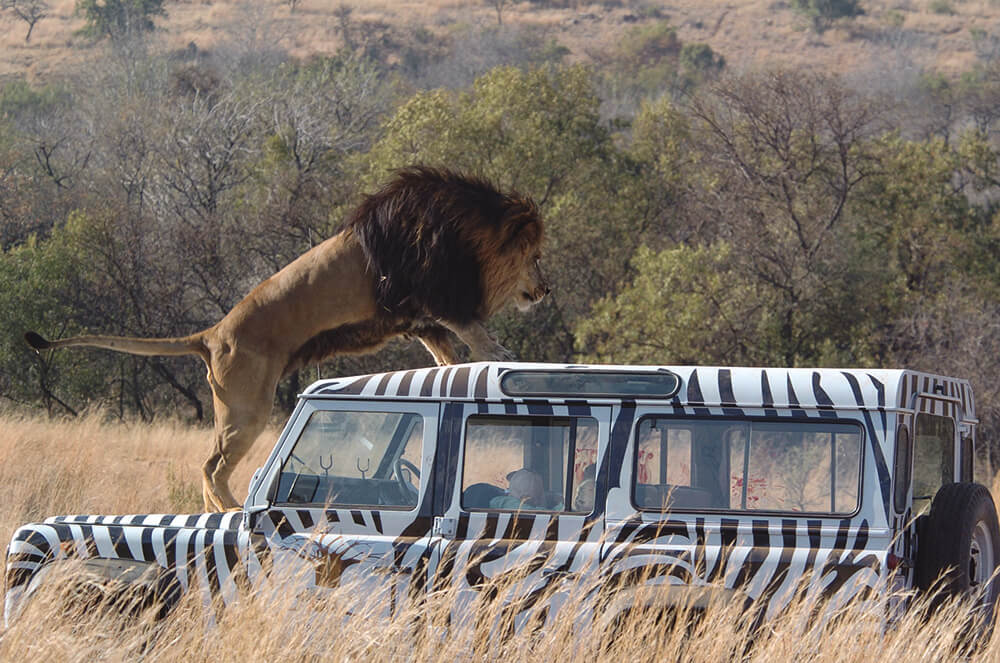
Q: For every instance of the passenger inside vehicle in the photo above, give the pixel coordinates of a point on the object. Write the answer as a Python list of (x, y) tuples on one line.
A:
[(525, 491)]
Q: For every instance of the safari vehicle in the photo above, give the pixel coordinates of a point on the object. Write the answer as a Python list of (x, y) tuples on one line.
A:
[(743, 480)]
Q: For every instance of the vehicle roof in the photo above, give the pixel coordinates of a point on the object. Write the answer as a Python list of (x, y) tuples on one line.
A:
[(700, 386)]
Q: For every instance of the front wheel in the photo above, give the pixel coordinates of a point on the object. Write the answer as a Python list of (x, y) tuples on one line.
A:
[(959, 546)]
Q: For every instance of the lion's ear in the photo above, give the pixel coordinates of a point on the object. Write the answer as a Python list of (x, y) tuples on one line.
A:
[(524, 229)]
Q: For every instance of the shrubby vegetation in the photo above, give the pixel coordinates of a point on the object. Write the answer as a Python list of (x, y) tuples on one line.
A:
[(823, 13), (694, 215)]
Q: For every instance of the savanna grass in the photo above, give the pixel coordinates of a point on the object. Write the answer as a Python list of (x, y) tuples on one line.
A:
[(89, 466)]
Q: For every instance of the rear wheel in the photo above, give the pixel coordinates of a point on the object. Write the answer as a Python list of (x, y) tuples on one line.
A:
[(958, 548)]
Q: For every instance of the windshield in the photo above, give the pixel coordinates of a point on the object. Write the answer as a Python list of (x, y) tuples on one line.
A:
[(354, 458)]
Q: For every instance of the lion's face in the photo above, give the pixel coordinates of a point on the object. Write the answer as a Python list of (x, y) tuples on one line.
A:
[(531, 286)]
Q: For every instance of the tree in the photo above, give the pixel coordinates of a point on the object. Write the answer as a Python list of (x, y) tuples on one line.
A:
[(40, 289), (685, 305), (473, 51), (342, 14), (789, 152), (774, 271), (499, 6), (118, 20), (29, 11), (822, 13), (321, 113)]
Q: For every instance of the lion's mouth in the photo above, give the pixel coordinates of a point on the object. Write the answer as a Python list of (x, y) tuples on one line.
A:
[(529, 298), (525, 301)]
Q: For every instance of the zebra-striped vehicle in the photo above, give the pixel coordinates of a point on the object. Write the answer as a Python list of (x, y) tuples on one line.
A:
[(733, 480)]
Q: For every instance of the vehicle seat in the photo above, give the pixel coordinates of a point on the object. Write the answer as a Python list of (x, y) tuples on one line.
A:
[(478, 495)]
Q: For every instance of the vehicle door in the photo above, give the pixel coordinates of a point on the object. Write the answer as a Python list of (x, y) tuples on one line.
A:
[(730, 508), (346, 499), (520, 516)]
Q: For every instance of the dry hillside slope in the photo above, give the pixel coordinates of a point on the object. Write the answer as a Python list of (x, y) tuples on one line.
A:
[(923, 34)]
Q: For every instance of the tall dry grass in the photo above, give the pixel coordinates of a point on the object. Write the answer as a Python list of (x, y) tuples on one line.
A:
[(89, 466)]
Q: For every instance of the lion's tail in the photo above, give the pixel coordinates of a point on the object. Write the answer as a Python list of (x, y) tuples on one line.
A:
[(184, 345)]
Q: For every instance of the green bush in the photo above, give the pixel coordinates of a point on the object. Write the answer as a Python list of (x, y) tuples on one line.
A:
[(649, 44), (822, 13), (700, 58), (118, 19), (941, 7)]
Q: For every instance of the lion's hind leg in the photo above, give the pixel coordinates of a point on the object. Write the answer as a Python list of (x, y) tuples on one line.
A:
[(233, 438), (242, 407)]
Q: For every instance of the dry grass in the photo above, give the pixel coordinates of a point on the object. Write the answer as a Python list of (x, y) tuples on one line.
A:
[(349, 624), (89, 466), (755, 33)]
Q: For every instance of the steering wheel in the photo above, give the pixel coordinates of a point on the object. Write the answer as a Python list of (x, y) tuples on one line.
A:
[(407, 487)]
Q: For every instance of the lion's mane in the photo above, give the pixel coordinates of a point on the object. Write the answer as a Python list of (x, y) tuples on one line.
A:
[(444, 245)]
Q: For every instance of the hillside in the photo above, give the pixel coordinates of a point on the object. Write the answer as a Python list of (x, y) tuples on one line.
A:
[(895, 35)]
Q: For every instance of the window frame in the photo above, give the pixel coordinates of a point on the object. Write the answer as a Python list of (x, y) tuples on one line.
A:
[(862, 446)]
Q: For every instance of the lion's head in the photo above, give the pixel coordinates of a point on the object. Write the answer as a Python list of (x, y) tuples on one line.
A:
[(451, 247), (512, 262)]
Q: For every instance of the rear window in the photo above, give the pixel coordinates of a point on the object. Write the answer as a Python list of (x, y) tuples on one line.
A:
[(740, 465)]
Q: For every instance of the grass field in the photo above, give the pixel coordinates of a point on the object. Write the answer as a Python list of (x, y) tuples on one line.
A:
[(88, 466)]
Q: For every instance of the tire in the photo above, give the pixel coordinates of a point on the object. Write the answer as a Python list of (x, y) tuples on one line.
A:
[(959, 548)]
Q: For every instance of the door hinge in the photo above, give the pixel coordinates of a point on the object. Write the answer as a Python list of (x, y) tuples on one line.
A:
[(445, 527)]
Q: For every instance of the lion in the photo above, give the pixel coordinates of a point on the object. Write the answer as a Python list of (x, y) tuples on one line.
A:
[(432, 252)]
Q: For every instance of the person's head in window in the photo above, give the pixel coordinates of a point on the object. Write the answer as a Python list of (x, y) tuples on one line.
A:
[(525, 491), (526, 485)]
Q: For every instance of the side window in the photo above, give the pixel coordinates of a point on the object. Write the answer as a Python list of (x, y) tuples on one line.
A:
[(527, 463), (747, 465), (664, 455), (933, 455), (799, 467), (355, 459), (685, 463)]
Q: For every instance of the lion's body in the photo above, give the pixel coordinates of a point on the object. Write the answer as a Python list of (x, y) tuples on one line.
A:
[(431, 251)]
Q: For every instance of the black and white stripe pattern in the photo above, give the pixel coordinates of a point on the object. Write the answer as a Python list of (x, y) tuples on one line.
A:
[(201, 551)]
